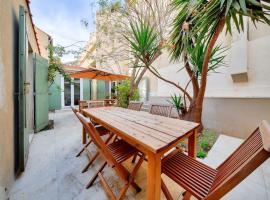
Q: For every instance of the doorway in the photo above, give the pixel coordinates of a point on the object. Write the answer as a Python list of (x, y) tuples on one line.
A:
[(71, 91)]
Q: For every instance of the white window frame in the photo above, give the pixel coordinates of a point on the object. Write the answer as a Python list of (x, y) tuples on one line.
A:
[(71, 92)]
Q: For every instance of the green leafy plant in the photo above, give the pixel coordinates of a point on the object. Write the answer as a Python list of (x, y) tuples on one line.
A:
[(178, 103), (204, 144), (197, 26), (196, 58), (201, 154), (123, 91), (143, 41), (55, 64)]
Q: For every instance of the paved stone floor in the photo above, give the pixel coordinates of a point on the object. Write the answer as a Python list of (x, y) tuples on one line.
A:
[(54, 173)]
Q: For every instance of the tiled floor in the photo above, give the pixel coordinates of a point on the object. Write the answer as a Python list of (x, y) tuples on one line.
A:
[(54, 173)]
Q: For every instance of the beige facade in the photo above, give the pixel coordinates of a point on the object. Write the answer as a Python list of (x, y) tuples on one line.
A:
[(9, 54), (238, 96), (111, 47), (44, 40), (105, 49), (88, 56)]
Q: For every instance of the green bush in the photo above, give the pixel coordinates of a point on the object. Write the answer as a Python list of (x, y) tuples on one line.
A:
[(201, 154), (204, 144), (123, 91)]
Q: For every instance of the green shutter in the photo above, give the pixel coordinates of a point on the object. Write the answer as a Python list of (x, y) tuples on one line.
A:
[(101, 89), (41, 93), (23, 136), (86, 89), (55, 94)]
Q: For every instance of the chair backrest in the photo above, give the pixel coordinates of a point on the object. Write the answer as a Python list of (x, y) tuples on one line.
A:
[(82, 104), (102, 147), (96, 104), (161, 109), (96, 138), (246, 158), (135, 105), (74, 109)]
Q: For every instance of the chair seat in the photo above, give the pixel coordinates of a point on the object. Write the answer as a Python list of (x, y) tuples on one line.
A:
[(121, 150), (189, 173)]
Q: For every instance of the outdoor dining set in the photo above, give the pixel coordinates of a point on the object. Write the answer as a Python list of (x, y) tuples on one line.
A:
[(131, 135)]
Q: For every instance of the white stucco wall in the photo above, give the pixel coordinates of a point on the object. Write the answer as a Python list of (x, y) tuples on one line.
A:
[(234, 108)]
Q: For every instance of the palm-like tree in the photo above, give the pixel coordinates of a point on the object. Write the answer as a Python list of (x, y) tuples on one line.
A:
[(202, 21)]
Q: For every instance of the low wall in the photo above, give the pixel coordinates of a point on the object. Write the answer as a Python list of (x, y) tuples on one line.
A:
[(236, 117)]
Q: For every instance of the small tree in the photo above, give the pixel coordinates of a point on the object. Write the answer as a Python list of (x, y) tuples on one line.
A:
[(201, 22), (123, 97), (146, 48)]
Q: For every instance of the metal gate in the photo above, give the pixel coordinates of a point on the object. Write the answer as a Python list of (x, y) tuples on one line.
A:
[(41, 93)]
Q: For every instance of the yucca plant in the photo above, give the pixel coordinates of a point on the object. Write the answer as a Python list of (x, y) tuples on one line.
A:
[(143, 41), (179, 104), (196, 29), (196, 58)]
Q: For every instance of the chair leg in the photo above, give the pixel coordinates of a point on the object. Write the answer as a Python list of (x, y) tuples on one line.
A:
[(91, 182), (106, 187), (96, 155), (166, 191), (90, 162), (134, 172), (134, 158), (123, 191), (186, 196), (131, 179), (135, 186), (85, 146)]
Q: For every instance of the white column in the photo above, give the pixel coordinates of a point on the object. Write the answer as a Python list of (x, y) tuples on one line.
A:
[(62, 92), (72, 92), (81, 88)]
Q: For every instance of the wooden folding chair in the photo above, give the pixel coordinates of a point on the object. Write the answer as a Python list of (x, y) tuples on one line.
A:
[(207, 183), (115, 154), (101, 131), (135, 105), (82, 105), (96, 104), (161, 109)]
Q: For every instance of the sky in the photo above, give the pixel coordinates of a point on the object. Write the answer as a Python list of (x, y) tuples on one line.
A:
[(62, 19)]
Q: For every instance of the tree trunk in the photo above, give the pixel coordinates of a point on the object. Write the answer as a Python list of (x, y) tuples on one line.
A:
[(197, 110)]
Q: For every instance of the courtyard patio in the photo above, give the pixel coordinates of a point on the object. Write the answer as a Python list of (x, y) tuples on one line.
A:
[(53, 172)]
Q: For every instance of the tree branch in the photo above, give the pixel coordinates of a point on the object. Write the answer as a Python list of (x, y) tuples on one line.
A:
[(172, 83), (220, 25)]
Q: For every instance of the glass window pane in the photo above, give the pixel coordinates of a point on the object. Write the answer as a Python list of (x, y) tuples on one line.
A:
[(76, 91), (67, 92)]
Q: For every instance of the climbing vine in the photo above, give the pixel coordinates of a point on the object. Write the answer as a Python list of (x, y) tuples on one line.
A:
[(55, 64)]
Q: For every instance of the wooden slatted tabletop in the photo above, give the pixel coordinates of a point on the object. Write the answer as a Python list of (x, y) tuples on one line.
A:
[(152, 134)]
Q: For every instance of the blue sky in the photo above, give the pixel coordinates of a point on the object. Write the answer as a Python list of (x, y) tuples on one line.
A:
[(62, 20)]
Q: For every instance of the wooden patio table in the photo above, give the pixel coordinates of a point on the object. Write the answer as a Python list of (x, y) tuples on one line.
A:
[(151, 134)]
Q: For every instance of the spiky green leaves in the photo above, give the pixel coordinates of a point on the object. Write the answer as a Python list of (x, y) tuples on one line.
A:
[(143, 41), (196, 58), (204, 17)]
